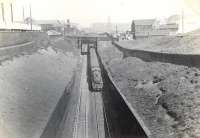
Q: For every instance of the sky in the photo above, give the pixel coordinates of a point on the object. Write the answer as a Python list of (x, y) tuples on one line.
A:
[(86, 12)]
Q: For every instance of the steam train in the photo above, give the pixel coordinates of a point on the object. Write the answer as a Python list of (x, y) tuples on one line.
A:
[(96, 81)]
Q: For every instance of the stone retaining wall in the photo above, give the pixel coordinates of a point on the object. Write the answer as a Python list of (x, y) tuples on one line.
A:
[(179, 59), (15, 38)]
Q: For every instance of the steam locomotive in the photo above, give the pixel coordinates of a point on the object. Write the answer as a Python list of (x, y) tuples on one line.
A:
[(96, 81)]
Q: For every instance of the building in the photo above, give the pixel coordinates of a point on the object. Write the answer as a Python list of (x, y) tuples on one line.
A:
[(188, 20), (101, 27), (47, 25), (144, 25), (58, 25), (6, 12), (171, 28), (8, 16)]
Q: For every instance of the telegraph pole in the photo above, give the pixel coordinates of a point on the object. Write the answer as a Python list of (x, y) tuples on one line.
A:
[(23, 15), (64, 30), (31, 22), (182, 19), (3, 12), (11, 11)]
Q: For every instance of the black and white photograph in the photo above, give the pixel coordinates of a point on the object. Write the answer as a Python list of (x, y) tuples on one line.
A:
[(99, 68)]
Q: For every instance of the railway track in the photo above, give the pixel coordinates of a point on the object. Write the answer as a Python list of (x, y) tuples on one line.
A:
[(89, 120), (101, 114)]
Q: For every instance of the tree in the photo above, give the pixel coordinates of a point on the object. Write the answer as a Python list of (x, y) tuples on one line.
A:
[(133, 29)]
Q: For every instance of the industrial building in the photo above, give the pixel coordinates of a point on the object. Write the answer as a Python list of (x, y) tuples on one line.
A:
[(7, 17)]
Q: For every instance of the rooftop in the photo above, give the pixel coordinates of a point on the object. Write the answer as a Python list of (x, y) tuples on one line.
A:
[(145, 22)]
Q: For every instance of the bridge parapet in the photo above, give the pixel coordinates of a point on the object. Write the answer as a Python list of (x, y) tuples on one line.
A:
[(88, 40)]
